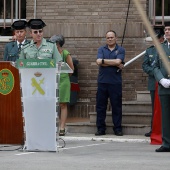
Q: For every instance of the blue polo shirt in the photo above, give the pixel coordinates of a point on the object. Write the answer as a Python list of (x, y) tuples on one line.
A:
[(109, 74)]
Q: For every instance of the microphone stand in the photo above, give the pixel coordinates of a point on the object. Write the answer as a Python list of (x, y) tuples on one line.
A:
[(13, 63)]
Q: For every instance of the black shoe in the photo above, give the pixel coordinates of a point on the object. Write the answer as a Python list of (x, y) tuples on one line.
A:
[(99, 133), (119, 133), (148, 134), (162, 149)]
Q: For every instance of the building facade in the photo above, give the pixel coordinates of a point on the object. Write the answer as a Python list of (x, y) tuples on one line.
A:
[(84, 24)]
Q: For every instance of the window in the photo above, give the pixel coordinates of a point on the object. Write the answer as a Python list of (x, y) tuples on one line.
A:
[(159, 11), (11, 10)]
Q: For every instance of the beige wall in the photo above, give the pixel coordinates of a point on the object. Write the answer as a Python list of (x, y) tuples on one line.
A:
[(84, 24)]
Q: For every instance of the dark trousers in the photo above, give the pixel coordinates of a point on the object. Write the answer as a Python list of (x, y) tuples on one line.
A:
[(114, 92), (165, 105)]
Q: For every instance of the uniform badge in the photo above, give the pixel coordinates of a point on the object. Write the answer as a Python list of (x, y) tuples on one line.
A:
[(47, 50)]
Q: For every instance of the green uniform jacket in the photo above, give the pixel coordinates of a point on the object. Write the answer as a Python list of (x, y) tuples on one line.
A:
[(160, 70), (46, 50), (148, 66), (11, 51)]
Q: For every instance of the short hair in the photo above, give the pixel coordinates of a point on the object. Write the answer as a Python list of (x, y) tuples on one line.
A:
[(113, 32), (58, 39)]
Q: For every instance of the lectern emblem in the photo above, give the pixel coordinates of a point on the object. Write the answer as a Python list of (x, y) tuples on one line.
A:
[(37, 86), (6, 81)]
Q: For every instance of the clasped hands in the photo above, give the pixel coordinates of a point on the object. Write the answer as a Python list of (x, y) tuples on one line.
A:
[(165, 82)]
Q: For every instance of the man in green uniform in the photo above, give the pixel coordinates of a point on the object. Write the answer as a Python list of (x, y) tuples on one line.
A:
[(148, 65), (163, 77), (39, 48), (12, 48)]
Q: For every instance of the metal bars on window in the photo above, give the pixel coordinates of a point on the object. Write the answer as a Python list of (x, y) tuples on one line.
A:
[(154, 12), (159, 11), (13, 14)]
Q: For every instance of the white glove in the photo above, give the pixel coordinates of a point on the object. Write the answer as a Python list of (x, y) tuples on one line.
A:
[(165, 82)]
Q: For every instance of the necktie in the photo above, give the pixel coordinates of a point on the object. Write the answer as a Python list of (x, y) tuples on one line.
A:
[(19, 47)]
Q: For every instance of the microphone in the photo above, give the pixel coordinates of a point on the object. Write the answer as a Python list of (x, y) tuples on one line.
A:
[(16, 54), (30, 45)]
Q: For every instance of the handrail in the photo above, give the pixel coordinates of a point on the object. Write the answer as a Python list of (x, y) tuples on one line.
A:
[(135, 58)]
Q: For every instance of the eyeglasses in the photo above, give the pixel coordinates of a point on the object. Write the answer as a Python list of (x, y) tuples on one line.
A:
[(38, 31)]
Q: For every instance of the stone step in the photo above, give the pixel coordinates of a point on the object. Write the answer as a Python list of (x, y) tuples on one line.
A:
[(87, 127), (143, 96), (127, 118), (135, 121), (136, 107)]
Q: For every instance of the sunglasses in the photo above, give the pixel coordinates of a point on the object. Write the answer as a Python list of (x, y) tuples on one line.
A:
[(38, 31)]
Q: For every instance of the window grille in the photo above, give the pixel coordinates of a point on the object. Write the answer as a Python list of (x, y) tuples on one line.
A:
[(10, 11), (159, 11)]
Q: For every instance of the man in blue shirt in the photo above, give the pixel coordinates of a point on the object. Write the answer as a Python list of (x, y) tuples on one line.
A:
[(110, 59)]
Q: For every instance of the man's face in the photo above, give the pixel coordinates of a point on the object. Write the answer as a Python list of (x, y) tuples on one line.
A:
[(167, 32), (20, 35), (37, 34), (110, 39)]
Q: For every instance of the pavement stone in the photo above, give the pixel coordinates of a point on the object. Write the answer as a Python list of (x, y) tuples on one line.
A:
[(109, 137)]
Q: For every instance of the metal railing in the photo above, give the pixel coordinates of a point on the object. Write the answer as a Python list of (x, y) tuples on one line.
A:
[(135, 58)]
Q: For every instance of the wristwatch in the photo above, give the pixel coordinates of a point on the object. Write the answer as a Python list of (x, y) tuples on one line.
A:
[(102, 61)]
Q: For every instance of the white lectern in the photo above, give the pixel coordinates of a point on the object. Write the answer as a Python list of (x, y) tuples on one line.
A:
[(39, 96)]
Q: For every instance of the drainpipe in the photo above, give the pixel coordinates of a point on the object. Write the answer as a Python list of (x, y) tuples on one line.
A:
[(35, 5), (4, 13)]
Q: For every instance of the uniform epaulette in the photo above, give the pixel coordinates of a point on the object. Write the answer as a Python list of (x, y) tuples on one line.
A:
[(49, 41), (151, 46), (12, 41)]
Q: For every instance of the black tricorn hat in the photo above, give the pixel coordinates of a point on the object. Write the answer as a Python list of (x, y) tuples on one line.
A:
[(19, 25), (36, 24), (167, 24), (159, 31)]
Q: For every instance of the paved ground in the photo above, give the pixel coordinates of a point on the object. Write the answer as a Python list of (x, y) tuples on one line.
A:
[(87, 152)]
